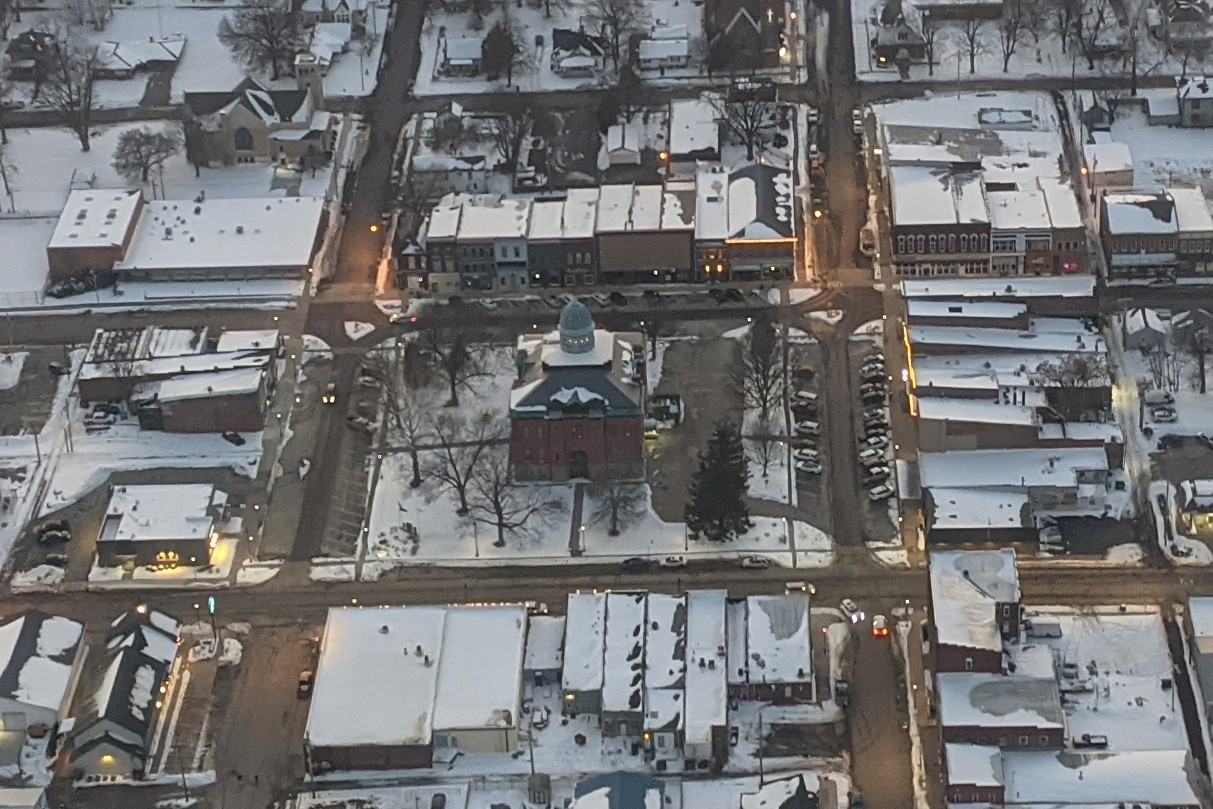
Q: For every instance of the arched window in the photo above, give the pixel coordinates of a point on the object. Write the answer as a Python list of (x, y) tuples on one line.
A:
[(243, 139)]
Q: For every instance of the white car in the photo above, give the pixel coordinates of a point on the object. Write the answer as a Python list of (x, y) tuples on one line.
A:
[(881, 492), (809, 467), (755, 562), (872, 455), (851, 610), (807, 455), (808, 428), (1164, 415), (857, 121), (673, 561), (875, 442)]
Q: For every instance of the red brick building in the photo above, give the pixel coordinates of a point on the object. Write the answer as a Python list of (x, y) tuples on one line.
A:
[(577, 410)]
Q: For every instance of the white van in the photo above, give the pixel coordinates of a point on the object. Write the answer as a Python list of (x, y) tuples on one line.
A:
[(1156, 398)]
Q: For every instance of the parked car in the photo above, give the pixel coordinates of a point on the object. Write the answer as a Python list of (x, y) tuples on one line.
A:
[(873, 356), (755, 562), (809, 467), (361, 423), (1164, 415), (1089, 741), (304, 689), (874, 398), (875, 442), (857, 121), (734, 296), (873, 377), (672, 561), (618, 298), (870, 388), (875, 430), (806, 397), (540, 717), (881, 492), (804, 409), (1154, 398), (877, 474), (867, 242), (651, 295), (47, 538), (872, 455), (808, 428), (880, 626), (635, 564), (878, 410), (56, 559), (806, 455), (877, 419), (236, 439), (803, 442), (403, 317)]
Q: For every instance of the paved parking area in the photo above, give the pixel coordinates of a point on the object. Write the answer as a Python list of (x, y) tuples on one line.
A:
[(877, 523), (26, 406)]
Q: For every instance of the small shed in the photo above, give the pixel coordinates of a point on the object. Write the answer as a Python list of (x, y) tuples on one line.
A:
[(461, 56)]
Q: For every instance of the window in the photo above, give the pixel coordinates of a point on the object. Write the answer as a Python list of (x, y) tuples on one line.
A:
[(1044, 741), (1023, 741), (985, 242), (517, 252), (964, 242), (242, 139), (951, 242), (901, 244), (921, 243), (934, 244), (1005, 610), (968, 664)]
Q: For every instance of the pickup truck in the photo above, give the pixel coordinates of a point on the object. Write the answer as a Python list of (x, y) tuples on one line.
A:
[(1089, 741)]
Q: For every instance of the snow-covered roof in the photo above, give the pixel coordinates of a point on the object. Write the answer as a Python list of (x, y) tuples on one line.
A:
[(37, 652), (986, 699), (1192, 211), (1109, 156), (553, 354), (491, 217), (994, 310), (1143, 318), (238, 382), (938, 408), (965, 585), (134, 345), (1139, 212), (547, 220), (480, 668), (623, 137), (693, 127), (544, 643), (184, 364), (623, 657), (711, 203), (777, 639), (1200, 608), (155, 512), (585, 628), (463, 49), (974, 764), (663, 49), (960, 509), (138, 53), (678, 205), (377, 677), (664, 709), (1022, 209), (1006, 339), (1060, 286), (219, 233), (760, 203), (706, 686), (648, 206), (580, 213), (96, 218), (1193, 87), (937, 196), (1009, 468), (248, 340), (665, 639), (1150, 777), (614, 208), (1064, 212)]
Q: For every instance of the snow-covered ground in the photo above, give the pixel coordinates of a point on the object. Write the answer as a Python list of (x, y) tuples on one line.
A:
[(1034, 56), (1122, 656), (773, 485), (1181, 550), (93, 458), (1164, 155)]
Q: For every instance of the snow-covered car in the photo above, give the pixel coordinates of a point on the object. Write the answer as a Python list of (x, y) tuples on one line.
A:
[(809, 467), (872, 455), (672, 561), (806, 455), (1164, 415), (875, 430), (880, 626), (755, 562), (806, 396), (874, 356), (876, 474), (808, 428), (881, 492), (875, 442), (857, 121)]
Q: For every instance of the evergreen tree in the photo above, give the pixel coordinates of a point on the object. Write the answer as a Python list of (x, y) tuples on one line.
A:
[(717, 509)]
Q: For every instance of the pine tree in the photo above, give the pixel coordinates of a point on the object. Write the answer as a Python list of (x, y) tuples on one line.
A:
[(717, 508)]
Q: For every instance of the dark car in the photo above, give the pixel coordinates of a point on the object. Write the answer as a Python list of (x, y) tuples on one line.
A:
[(873, 398), (619, 299), (56, 559), (635, 564), (734, 296), (304, 689), (651, 295), (234, 438)]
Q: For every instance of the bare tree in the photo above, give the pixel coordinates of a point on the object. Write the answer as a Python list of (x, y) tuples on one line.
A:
[(460, 445), (758, 372), (1138, 47), (509, 129), (1199, 344), (1013, 29), (930, 39), (10, 12), (504, 52), (477, 11), (95, 14), (971, 34), (141, 150), (263, 35), (1076, 370), (615, 19), (499, 501), (1065, 13), (71, 75), (1165, 370), (619, 504), (763, 446), (449, 134), (452, 352), (1095, 17), (408, 424), (750, 120)]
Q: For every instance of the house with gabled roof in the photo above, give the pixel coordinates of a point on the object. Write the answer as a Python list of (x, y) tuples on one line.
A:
[(743, 35), (250, 122), (40, 657), (112, 729)]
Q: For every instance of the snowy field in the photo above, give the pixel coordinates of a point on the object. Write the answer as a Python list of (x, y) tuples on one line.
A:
[(1122, 657), (1032, 58)]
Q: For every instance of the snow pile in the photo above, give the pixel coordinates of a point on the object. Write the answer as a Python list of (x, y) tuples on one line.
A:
[(10, 369), (233, 651), (828, 316), (42, 578), (331, 570), (357, 329), (202, 650)]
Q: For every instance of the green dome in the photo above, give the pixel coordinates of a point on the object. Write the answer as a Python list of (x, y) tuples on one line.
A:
[(576, 328)]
